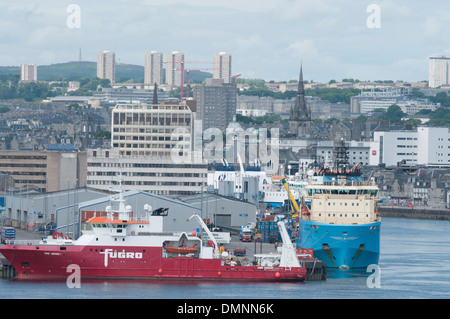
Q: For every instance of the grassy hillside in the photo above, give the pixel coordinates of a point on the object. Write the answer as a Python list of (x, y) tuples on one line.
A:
[(77, 70), (69, 71)]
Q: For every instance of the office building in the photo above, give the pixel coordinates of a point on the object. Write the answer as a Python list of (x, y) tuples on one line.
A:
[(28, 72), (44, 171), (173, 62), (144, 137), (153, 72), (126, 95), (106, 169), (222, 67), (146, 129), (414, 106), (368, 101), (438, 71), (424, 146), (106, 65), (216, 103)]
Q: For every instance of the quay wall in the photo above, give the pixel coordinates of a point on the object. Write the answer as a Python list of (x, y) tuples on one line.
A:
[(418, 213)]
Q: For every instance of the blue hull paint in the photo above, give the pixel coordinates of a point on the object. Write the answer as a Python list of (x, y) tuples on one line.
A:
[(341, 246), (273, 204)]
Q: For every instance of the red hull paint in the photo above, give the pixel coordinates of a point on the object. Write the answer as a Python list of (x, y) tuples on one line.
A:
[(119, 262)]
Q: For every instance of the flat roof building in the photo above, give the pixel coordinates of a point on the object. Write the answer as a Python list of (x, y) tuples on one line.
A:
[(44, 171), (222, 67), (28, 72), (424, 146), (173, 62), (146, 129), (106, 65), (216, 103), (148, 141), (153, 72), (438, 73), (156, 175)]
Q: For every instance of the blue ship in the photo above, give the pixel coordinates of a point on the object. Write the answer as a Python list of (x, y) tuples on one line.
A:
[(341, 222), (342, 246)]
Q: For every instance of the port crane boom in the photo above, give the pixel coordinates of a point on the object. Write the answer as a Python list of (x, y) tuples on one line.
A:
[(291, 197)]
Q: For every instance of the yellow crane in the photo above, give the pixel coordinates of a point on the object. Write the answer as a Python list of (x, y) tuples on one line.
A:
[(294, 202)]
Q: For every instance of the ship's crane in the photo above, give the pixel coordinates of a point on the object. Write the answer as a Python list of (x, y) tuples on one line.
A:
[(210, 235), (291, 197), (288, 255)]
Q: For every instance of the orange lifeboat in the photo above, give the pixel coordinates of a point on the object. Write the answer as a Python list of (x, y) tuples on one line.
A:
[(181, 250)]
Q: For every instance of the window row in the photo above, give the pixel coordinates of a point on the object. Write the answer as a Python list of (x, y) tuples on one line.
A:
[(342, 204), (344, 215)]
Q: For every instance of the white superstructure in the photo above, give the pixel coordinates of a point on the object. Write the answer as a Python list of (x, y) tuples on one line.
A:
[(341, 201)]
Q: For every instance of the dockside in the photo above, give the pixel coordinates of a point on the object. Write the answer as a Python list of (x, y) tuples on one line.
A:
[(415, 212)]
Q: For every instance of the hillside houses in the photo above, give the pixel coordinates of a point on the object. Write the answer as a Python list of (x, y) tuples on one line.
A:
[(34, 126)]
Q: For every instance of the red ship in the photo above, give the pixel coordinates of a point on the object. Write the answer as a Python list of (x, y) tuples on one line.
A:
[(127, 248)]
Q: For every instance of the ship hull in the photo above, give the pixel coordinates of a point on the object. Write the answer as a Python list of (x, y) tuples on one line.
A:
[(119, 262), (342, 246)]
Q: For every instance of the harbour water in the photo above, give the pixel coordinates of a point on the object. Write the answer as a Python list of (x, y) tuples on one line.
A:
[(414, 263)]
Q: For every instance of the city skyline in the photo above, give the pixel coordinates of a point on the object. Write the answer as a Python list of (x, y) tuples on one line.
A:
[(267, 39)]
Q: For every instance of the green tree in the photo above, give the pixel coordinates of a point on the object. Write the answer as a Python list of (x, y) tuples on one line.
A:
[(440, 117), (442, 98), (393, 114)]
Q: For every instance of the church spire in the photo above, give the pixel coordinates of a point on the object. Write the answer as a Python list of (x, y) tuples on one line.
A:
[(300, 112), (300, 117), (301, 89)]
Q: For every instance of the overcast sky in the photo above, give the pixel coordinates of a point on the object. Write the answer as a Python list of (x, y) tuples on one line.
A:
[(267, 38)]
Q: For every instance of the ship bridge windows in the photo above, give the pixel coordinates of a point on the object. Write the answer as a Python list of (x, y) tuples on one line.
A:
[(370, 192), (313, 191), (100, 225)]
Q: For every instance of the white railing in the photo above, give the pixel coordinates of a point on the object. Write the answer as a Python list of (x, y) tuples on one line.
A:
[(30, 242)]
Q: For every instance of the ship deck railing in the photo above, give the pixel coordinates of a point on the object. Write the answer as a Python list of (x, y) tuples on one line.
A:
[(22, 242), (340, 183), (341, 196)]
